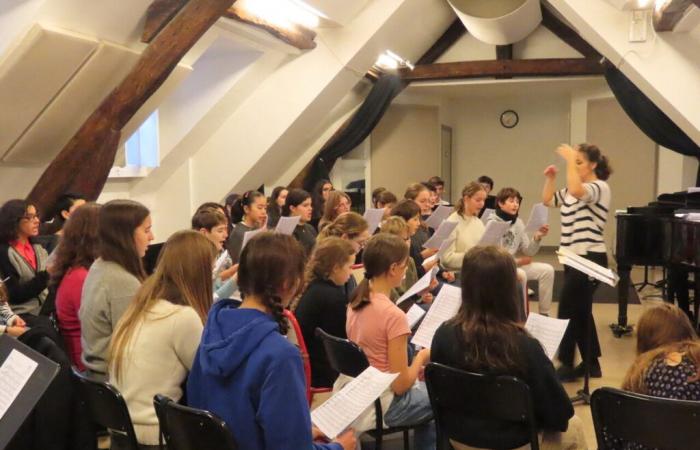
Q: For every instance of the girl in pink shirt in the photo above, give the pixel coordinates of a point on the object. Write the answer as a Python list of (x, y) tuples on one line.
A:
[(381, 329), (74, 255)]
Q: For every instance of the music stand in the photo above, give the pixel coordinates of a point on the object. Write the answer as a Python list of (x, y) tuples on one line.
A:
[(30, 393)]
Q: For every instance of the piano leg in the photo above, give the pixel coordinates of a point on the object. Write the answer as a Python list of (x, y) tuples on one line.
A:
[(621, 328)]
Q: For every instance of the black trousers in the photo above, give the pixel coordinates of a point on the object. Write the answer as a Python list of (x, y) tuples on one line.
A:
[(576, 304)]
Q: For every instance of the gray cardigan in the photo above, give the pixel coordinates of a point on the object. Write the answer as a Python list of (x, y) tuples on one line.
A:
[(107, 292)]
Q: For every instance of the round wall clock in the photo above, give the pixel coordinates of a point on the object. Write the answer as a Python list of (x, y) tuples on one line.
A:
[(509, 118)]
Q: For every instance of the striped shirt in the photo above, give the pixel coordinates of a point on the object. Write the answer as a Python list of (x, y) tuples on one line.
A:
[(583, 220)]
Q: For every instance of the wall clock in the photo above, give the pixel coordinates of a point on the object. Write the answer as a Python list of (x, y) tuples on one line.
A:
[(509, 118)]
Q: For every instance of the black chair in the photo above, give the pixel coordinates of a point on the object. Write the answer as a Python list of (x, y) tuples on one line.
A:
[(489, 402), (653, 422), (107, 408), (186, 428), (348, 358)]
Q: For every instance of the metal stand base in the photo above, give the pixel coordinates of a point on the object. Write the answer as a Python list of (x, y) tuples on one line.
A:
[(621, 330)]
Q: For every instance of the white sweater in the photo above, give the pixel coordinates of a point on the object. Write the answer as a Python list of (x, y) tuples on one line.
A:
[(467, 234), (156, 361)]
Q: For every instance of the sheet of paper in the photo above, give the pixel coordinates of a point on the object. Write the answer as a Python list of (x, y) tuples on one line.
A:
[(444, 307), (422, 284), (438, 216), (414, 314), (14, 374), (220, 261), (248, 235), (548, 330), (493, 233), (538, 216), (429, 260), (487, 213), (286, 225), (693, 189), (600, 273), (346, 405), (443, 248), (373, 216), (443, 232)]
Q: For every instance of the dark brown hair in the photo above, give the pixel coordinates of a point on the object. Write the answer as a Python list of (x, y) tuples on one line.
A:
[(247, 199), (488, 318), (295, 197), (414, 189), (506, 193), (118, 221), (208, 218), (470, 190), (385, 198), (436, 181), (486, 180), (11, 213), (381, 251), (375, 195), (269, 264), (330, 212), (79, 243), (406, 209), (603, 170), (326, 256)]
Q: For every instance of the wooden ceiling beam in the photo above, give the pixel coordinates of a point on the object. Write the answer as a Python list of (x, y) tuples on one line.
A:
[(513, 68), (455, 31), (504, 53), (667, 16), (567, 34), (83, 165), (159, 13), (296, 36)]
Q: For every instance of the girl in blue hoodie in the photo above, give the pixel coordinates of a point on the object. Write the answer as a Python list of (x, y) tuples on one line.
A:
[(245, 370)]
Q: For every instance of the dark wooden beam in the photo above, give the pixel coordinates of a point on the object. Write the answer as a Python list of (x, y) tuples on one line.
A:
[(159, 13), (84, 163), (514, 68), (567, 34), (667, 16), (455, 31), (697, 3), (503, 53), (296, 36)]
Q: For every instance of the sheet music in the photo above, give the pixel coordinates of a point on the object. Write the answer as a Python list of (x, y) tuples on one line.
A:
[(422, 284), (487, 213), (14, 374), (443, 232), (373, 216), (346, 405), (414, 314), (220, 261), (548, 330), (286, 225), (538, 216), (248, 235), (603, 274), (443, 248), (444, 307), (493, 233), (438, 216)]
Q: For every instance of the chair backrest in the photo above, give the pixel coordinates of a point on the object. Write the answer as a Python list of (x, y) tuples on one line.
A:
[(107, 408), (186, 428), (344, 356), (653, 422), (298, 337), (499, 401)]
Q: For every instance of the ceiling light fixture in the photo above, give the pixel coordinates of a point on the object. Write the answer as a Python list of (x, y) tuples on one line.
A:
[(391, 61), (284, 13)]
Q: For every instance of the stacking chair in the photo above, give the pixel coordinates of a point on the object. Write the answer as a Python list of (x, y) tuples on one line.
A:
[(107, 409), (458, 396), (653, 422), (348, 358), (186, 428)]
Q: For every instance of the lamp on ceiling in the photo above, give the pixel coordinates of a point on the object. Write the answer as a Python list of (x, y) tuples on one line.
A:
[(391, 61), (498, 22)]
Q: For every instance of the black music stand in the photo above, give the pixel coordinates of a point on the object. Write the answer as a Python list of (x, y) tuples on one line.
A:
[(32, 391)]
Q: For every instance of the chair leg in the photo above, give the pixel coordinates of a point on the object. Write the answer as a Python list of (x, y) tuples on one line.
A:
[(406, 442)]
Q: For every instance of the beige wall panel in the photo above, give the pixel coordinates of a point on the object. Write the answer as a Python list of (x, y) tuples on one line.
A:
[(405, 147), (31, 76)]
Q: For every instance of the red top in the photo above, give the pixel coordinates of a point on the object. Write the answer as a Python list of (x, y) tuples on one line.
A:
[(67, 307), (26, 250)]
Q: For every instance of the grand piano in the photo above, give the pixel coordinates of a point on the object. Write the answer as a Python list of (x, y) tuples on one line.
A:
[(653, 235)]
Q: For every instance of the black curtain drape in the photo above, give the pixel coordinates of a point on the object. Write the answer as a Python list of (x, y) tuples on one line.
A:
[(649, 118), (360, 126)]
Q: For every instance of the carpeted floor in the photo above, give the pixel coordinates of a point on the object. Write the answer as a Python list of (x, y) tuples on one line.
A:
[(604, 293)]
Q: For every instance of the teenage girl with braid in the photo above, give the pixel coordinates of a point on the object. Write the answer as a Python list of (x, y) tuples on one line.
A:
[(245, 370)]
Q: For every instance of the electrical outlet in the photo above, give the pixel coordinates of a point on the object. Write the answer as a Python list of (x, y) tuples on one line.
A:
[(638, 25)]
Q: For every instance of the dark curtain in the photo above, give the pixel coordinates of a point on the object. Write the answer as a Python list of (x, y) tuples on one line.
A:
[(360, 126), (649, 118)]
